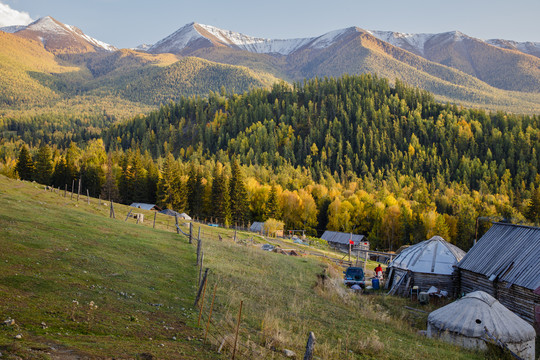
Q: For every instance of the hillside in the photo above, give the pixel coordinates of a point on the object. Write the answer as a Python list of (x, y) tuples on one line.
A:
[(36, 82), (58, 256)]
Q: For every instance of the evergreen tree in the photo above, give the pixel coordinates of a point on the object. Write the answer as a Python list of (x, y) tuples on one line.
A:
[(220, 196), (532, 212), (43, 165), (109, 190), (238, 194), (171, 192), (195, 191), (272, 208), (25, 165), (60, 176)]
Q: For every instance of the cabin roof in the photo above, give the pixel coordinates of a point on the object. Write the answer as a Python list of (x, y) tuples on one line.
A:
[(342, 238), (509, 253)]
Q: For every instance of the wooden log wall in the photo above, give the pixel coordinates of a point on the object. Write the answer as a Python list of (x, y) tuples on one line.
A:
[(520, 300)]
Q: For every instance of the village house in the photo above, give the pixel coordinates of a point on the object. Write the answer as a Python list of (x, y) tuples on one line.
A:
[(505, 263)]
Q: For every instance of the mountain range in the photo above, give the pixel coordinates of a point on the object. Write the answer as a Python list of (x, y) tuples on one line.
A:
[(492, 74)]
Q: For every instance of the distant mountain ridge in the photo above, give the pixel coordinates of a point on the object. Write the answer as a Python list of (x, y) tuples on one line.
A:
[(455, 67)]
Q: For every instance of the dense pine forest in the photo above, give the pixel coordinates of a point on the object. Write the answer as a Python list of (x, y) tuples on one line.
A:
[(354, 154)]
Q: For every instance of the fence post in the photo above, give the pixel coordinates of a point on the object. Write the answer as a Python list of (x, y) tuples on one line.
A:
[(202, 304), (79, 191), (237, 328), (190, 233), (199, 245), (129, 213), (112, 211), (310, 347), (210, 315), (65, 190), (87, 197), (200, 268), (72, 188), (155, 214), (200, 287)]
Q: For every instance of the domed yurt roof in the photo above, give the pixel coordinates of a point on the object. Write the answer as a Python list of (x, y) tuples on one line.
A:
[(469, 315), (435, 255)]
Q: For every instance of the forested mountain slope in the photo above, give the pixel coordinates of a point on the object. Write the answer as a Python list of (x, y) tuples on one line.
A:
[(353, 125)]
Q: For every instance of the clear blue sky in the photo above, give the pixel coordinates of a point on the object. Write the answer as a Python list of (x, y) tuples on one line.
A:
[(128, 23)]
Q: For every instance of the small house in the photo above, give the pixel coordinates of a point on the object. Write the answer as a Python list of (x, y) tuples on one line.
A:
[(145, 206), (477, 317), (340, 240), (505, 263), (257, 227), (426, 264)]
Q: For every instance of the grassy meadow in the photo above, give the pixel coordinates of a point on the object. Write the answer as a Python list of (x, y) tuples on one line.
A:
[(78, 284)]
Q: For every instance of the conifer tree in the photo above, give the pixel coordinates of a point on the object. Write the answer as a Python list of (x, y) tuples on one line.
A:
[(109, 190), (272, 209), (532, 212), (220, 195), (60, 176), (195, 191), (43, 165), (171, 191), (238, 194), (25, 165)]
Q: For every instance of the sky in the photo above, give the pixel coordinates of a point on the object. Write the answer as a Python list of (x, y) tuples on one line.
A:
[(129, 23)]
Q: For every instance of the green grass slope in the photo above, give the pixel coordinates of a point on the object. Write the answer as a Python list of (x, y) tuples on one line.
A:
[(54, 250)]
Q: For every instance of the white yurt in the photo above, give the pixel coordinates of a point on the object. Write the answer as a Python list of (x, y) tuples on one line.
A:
[(464, 323), (426, 264)]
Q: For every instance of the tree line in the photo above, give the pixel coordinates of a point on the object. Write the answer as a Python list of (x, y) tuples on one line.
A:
[(353, 154)]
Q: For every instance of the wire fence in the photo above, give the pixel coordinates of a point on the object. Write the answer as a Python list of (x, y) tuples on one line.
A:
[(239, 341)]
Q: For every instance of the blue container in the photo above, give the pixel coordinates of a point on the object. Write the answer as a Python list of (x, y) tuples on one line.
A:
[(375, 283)]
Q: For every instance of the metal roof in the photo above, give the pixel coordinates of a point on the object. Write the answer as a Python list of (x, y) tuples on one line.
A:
[(469, 315), (433, 256), (144, 206), (169, 212), (256, 226), (342, 238), (509, 253)]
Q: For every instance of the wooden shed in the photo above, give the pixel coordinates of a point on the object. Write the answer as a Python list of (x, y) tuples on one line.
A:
[(339, 240), (505, 263), (428, 263)]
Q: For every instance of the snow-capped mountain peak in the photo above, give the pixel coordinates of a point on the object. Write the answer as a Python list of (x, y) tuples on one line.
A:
[(196, 35), (56, 35)]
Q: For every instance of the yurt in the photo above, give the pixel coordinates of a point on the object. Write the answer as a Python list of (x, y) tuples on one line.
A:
[(465, 321), (426, 264)]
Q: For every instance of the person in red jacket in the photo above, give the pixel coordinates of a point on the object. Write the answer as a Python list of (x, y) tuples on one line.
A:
[(378, 272)]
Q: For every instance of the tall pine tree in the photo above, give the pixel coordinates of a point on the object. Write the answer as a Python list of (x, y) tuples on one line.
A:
[(25, 165), (171, 192), (195, 191), (238, 194), (220, 196)]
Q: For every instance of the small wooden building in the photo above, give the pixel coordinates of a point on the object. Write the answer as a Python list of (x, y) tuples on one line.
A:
[(426, 264), (505, 263), (340, 240)]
